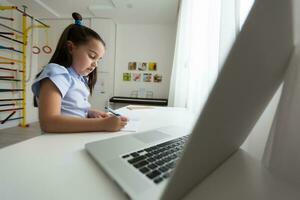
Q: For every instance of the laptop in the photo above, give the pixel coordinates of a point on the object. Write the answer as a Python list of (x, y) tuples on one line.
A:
[(155, 165)]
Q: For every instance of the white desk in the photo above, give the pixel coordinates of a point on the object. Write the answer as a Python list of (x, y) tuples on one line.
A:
[(56, 167)]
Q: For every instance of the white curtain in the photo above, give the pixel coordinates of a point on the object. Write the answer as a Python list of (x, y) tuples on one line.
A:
[(196, 54), (205, 33)]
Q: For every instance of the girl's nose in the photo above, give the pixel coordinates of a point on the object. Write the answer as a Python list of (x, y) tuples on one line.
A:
[(95, 64)]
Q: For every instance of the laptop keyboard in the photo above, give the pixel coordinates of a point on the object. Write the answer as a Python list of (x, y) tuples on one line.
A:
[(157, 162)]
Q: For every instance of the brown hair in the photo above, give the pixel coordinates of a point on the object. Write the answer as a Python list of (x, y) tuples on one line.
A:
[(79, 35)]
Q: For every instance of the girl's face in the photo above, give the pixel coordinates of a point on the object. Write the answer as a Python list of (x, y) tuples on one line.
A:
[(86, 57)]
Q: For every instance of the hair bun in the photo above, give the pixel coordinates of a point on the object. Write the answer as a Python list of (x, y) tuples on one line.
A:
[(76, 16)]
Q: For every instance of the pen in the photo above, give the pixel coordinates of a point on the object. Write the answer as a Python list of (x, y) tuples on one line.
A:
[(112, 111)]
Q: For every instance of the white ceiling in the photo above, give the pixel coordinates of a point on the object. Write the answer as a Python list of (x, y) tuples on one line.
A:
[(122, 11)]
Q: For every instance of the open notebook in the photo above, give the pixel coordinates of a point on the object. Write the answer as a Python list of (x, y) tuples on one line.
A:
[(132, 125)]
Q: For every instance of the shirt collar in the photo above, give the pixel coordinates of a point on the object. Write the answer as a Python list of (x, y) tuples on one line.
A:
[(74, 73)]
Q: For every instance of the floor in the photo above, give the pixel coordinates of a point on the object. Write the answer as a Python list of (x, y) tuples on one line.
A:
[(14, 135)]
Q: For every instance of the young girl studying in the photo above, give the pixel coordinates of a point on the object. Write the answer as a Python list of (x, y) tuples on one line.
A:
[(62, 88)]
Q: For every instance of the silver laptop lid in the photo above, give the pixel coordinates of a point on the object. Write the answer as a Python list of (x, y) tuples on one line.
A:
[(251, 74)]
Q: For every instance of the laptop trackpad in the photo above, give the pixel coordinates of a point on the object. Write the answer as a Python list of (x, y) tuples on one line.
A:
[(151, 136)]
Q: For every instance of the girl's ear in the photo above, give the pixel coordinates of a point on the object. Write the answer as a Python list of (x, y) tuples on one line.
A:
[(70, 46)]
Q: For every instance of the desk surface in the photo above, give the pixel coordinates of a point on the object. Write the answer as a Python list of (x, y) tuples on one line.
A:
[(56, 167)]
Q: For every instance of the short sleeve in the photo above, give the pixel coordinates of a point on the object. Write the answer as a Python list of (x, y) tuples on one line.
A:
[(58, 74)]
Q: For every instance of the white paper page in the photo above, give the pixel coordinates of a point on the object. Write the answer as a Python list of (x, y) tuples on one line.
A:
[(132, 125)]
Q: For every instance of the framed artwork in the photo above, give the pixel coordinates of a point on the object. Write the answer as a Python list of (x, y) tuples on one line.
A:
[(142, 66), (136, 77), (152, 66), (157, 78), (132, 66), (147, 77), (126, 77)]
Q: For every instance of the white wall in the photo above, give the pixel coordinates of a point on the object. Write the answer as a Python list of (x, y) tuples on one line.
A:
[(106, 69), (144, 43), (32, 60)]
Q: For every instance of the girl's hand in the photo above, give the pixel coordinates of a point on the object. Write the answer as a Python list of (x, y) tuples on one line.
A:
[(97, 114), (113, 123), (123, 118)]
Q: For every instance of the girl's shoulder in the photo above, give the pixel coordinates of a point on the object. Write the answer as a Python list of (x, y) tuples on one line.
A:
[(58, 74), (54, 69)]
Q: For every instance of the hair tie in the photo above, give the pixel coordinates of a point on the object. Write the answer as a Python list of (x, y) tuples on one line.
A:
[(78, 22), (77, 17)]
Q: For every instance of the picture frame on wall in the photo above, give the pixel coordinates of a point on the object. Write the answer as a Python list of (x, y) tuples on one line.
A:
[(137, 77), (132, 66), (152, 66), (147, 77), (157, 78), (142, 66), (126, 76)]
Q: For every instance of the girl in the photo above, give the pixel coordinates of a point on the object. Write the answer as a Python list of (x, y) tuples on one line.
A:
[(63, 86)]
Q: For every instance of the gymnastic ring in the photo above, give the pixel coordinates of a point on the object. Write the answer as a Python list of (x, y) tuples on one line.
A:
[(47, 49), (36, 50)]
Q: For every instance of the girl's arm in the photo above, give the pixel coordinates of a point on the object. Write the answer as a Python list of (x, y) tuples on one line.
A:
[(52, 121)]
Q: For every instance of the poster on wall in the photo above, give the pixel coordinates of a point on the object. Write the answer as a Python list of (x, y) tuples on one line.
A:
[(142, 66), (157, 78), (132, 66), (147, 77), (152, 66), (136, 77), (126, 76)]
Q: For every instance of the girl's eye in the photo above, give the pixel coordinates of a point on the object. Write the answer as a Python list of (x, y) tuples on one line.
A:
[(92, 56)]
